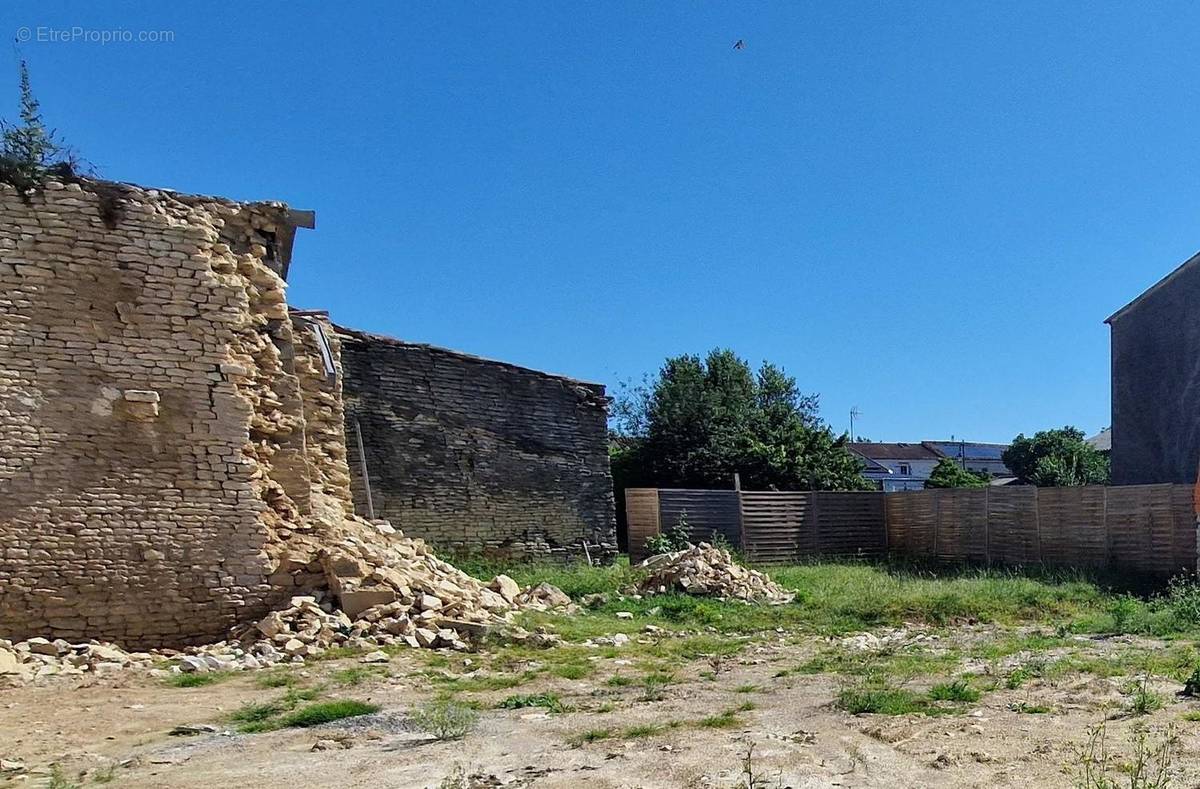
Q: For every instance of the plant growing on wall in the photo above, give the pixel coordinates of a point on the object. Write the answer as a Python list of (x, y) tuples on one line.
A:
[(949, 474), (28, 150), (1056, 458)]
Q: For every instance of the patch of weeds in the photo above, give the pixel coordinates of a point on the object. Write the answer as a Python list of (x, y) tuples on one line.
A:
[(1018, 677), (591, 735), (746, 706), (654, 687), (1028, 708), (1193, 715), (326, 712), (58, 779), (748, 688), (296, 695), (958, 690), (881, 701), (1191, 685), (606, 707), (648, 730), (276, 678), (105, 775), (1148, 768), (724, 720), (752, 777), (197, 680), (549, 701), (573, 670), (356, 675), (256, 713), (619, 681), (445, 719), (1142, 700)]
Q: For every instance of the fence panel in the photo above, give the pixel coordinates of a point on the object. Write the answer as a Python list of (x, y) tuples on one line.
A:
[(1013, 525), (911, 522), (641, 516), (705, 511), (1072, 526), (777, 526), (850, 524)]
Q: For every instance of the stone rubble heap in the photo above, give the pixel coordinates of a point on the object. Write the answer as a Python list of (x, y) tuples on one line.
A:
[(384, 589), (709, 571), (40, 657)]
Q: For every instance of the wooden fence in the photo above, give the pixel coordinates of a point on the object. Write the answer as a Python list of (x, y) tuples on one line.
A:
[(1148, 529)]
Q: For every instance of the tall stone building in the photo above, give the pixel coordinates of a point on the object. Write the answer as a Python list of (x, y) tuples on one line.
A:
[(173, 454), (1156, 382)]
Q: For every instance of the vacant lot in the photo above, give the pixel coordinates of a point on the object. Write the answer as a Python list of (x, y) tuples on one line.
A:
[(875, 676)]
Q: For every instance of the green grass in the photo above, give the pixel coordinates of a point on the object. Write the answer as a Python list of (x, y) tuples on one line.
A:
[(591, 735), (619, 681), (724, 720), (549, 701), (746, 689), (1028, 708), (958, 690), (882, 701), (648, 729), (276, 678), (1193, 715), (257, 713), (197, 680), (356, 675), (326, 712)]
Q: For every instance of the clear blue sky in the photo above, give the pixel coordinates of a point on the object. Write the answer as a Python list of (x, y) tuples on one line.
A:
[(925, 209)]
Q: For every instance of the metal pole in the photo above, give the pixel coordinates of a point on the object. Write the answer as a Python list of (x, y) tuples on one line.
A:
[(362, 463)]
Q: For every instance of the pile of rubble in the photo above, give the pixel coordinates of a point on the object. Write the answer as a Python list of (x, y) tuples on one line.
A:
[(40, 657), (383, 590), (706, 570)]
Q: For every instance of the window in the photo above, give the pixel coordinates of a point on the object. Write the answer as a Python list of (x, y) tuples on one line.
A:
[(905, 469)]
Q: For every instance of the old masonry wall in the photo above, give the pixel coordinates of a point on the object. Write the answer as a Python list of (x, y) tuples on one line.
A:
[(154, 483)]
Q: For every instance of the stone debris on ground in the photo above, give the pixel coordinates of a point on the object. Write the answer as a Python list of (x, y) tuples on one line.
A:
[(388, 591), (709, 571)]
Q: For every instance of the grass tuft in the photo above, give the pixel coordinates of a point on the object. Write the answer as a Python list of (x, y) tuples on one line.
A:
[(197, 680)]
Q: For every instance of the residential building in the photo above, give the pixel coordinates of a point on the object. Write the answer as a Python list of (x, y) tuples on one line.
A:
[(973, 455), (898, 466)]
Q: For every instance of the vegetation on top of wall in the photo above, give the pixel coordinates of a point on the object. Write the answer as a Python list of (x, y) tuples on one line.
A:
[(29, 152), (1056, 458), (702, 420), (949, 474)]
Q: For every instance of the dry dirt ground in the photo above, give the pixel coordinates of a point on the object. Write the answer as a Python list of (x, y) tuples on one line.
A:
[(779, 694)]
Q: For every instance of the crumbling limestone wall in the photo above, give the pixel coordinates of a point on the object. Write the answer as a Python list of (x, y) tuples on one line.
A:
[(478, 456), (152, 431)]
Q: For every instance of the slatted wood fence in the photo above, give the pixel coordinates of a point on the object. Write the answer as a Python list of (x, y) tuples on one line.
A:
[(1148, 529)]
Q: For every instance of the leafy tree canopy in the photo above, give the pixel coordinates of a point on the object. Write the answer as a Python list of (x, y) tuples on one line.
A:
[(701, 420), (949, 474), (1056, 458)]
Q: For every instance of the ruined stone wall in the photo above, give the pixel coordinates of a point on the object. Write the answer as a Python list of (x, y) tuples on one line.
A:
[(478, 456), (150, 416)]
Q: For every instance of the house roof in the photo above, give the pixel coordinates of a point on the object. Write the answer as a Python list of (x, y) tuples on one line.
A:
[(1102, 440), (901, 451), (1154, 288), (971, 450)]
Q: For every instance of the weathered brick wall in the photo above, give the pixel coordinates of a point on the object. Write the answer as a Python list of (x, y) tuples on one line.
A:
[(143, 398), (476, 455)]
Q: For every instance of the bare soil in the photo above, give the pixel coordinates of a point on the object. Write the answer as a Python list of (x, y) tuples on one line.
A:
[(114, 729)]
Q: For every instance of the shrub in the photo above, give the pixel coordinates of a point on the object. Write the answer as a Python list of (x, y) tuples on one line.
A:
[(1183, 601), (1124, 610), (445, 719), (1191, 686), (1142, 700), (674, 539)]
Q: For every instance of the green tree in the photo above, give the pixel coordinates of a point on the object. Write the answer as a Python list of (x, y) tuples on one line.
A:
[(949, 474), (701, 420), (1056, 458)]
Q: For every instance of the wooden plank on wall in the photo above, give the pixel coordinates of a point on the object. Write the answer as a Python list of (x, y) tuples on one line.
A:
[(705, 511), (778, 526)]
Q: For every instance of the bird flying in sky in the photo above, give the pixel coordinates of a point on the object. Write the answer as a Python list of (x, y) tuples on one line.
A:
[(740, 44)]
